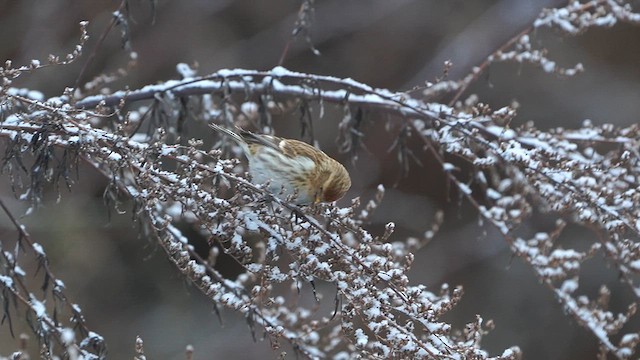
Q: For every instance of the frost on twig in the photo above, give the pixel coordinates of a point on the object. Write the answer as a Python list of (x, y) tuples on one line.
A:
[(587, 176), (572, 20), (321, 244), (45, 317)]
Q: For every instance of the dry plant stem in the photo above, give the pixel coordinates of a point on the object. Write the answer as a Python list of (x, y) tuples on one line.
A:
[(334, 241), (162, 230), (241, 181), (78, 318), (394, 103), (93, 53), (44, 262), (480, 69), (301, 216), (244, 183), (458, 124), (232, 81), (625, 272), (466, 128), (570, 304), (496, 151), (561, 172), (302, 25)]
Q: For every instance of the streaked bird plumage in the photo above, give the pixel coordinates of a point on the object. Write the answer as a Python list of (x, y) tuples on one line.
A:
[(291, 167)]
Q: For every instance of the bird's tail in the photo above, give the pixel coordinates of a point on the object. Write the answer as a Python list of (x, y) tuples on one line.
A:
[(235, 136)]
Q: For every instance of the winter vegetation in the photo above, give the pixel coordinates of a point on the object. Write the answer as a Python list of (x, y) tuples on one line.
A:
[(361, 300)]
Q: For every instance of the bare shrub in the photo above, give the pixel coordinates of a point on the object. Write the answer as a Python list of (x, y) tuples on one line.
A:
[(586, 176)]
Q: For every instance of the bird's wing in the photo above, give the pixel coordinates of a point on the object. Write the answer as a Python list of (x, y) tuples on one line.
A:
[(260, 139), (247, 138), (290, 148), (295, 148), (228, 132)]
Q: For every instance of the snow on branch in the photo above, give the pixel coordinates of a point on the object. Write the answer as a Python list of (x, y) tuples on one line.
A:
[(588, 176), (43, 318), (321, 243)]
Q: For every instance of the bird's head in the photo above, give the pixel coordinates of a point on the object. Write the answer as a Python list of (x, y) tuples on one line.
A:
[(335, 182)]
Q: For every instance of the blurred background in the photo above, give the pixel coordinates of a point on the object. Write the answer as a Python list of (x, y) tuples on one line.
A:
[(123, 282)]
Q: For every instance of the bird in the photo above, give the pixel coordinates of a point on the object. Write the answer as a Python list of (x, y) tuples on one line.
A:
[(291, 167)]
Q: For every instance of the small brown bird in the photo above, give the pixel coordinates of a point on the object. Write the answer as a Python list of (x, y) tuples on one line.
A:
[(291, 167)]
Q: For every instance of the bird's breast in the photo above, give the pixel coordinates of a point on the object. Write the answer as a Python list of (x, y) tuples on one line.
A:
[(285, 175)]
